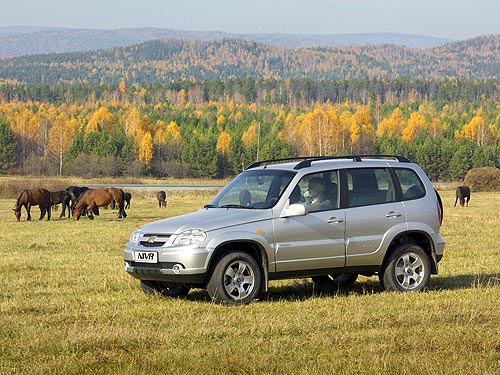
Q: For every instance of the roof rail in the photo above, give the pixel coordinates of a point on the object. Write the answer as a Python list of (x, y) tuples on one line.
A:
[(305, 161)]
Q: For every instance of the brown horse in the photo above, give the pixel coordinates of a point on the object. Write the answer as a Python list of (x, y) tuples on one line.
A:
[(99, 198), (34, 197)]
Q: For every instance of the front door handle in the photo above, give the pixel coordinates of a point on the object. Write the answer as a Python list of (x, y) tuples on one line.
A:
[(392, 214), (335, 220)]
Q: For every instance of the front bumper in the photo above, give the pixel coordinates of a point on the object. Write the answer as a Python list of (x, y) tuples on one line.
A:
[(186, 264)]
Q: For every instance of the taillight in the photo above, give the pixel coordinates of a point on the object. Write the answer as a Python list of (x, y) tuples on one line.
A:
[(439, 206)]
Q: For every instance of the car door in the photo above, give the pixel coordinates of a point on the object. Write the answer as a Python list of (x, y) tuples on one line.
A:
[(315, 240), (373, 215)]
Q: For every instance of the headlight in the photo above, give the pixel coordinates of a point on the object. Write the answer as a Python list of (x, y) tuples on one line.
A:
[(190, 236), (134, 237)]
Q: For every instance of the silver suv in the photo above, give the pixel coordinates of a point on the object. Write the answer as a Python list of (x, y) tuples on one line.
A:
[(328, 218)]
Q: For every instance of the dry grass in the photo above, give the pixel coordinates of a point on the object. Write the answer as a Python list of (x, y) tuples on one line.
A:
[(68, 307)]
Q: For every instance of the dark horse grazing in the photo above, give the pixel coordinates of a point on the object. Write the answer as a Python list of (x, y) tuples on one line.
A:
[(34, 197), (462, 194), (75, 192), (62, 197), (126, 196), (162, 199), (99, 198)]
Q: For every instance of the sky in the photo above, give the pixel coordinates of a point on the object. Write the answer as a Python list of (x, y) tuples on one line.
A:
[(454, 19)]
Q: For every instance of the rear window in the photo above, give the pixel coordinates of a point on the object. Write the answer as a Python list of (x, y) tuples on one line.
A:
[(411, 185)]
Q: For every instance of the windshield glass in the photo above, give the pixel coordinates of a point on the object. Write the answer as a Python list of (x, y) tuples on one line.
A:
[(254, 189)]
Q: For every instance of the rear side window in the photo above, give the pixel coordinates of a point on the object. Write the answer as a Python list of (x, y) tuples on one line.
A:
[(411, 185), (367, 186)]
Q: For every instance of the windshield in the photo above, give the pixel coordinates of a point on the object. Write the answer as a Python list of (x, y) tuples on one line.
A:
[(254, 189)]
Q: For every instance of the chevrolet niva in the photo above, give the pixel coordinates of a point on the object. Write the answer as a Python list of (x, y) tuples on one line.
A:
[(328, 218)]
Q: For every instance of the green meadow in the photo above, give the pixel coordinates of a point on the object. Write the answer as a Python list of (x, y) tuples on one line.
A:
[(68, 307)]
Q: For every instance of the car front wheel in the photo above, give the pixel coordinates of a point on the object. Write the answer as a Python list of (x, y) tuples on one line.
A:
[(236, 279), (407, 269)]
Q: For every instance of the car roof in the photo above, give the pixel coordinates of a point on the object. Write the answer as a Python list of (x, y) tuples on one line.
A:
[(306, 162)]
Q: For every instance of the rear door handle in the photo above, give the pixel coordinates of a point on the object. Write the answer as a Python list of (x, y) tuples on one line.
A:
[(335, 220), (392, 214)]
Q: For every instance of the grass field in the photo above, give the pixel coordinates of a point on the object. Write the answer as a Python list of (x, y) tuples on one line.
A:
[(68, 307)]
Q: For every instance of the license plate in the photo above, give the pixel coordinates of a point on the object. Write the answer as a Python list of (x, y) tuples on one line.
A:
[(146, 256)]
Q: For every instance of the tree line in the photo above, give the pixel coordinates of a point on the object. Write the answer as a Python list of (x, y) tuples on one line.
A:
[(216, 128)]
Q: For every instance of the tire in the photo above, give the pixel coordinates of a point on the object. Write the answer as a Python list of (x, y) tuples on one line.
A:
[(344, 279), (164, 288), (407, 269), (236, 279)]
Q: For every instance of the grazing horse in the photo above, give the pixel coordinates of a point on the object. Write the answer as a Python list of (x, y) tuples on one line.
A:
[(62, 197), (127, 197), (75, 192), (162, 199), (462, 194), (93, 198), (34, 197)]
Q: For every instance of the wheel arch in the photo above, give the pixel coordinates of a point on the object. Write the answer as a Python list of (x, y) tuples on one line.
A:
[(253, 248), (418, 238)]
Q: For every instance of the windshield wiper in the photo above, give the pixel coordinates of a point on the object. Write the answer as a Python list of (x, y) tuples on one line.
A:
[(210, 206), (234, 206)]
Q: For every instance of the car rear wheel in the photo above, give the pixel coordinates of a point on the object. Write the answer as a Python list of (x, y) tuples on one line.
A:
[(344, 279), (236, 279), (407, 269), (164, 288)]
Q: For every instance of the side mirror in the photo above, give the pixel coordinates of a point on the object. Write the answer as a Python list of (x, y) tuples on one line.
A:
[(295, 209)]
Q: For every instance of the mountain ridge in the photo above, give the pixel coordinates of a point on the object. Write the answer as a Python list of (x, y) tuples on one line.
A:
[(23, 40), (166, 60)]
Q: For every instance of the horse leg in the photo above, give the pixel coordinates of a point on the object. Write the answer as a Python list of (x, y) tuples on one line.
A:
[(456, 200), (63, 211), (90, 208), (28, 210), (42, 212)]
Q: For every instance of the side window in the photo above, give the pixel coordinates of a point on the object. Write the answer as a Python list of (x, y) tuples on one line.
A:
[(411, 185), (318, 191), (367, 186)]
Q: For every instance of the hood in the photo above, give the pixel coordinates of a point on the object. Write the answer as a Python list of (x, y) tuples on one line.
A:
[(207, 219)]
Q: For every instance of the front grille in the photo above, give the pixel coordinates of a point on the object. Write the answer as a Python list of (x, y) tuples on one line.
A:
[(154, 239), (152, 244)]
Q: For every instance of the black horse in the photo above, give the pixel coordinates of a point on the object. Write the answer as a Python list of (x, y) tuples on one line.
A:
[(162, 199), (75, 193), (61, 197), (462, 194), (126, 196)]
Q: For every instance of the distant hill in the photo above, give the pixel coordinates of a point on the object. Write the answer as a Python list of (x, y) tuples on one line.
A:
[(167, 60), (21, 41)]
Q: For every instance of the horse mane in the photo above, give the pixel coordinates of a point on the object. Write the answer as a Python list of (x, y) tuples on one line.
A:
[(25, 191)]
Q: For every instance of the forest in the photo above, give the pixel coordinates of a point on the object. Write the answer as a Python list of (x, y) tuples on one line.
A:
[(179, 108), (215, 128)]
